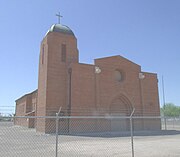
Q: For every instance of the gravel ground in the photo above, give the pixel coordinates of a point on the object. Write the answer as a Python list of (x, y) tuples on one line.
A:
[(16, 141)]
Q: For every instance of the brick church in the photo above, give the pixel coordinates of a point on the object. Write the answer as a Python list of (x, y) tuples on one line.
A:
[(112, 86)]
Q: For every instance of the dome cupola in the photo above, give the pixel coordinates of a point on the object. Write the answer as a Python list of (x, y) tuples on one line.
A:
[(60, 28)]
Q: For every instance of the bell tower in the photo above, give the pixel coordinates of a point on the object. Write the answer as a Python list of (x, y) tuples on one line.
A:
[(58, 51)]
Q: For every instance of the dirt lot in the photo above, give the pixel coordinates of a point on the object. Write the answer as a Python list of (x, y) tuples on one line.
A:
[(18, 141)]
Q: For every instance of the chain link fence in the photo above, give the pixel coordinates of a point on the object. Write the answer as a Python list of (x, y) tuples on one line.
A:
[(91, 136)]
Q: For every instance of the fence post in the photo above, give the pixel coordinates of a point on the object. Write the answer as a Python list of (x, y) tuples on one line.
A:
[(165, 123), (57, 120), (131, 128), (57, 130)]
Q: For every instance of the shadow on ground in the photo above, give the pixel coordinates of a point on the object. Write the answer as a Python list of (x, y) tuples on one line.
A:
[(126, 134)]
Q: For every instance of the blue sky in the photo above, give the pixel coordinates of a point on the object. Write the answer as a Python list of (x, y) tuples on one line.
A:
[(144, 31)]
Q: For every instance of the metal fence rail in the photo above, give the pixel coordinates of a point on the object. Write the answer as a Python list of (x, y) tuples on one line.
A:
[(80, 136)]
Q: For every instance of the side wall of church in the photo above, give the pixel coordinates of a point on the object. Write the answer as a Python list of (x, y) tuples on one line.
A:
[(83, 90), (83, 98), (150, 101), (21, 111), (150, 94), (24, 107)]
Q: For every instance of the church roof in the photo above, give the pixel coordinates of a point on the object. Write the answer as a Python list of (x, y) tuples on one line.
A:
[(35, 91), (60, 28)]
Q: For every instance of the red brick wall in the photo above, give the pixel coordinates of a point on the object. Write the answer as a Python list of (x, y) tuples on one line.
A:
[(83, 90), (24, 107), (150, 95), (111, 89), (53, 75)]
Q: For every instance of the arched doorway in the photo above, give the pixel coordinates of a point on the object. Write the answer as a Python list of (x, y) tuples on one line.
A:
[(120, 107)]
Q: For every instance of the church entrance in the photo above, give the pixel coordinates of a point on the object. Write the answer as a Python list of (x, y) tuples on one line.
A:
[(120, 109), (118, 124)]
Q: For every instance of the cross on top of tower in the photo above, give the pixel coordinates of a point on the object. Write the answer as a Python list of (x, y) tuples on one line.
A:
[(59, 17)]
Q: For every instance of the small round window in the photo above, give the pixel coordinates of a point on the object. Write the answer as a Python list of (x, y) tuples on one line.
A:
[(119, 76)]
